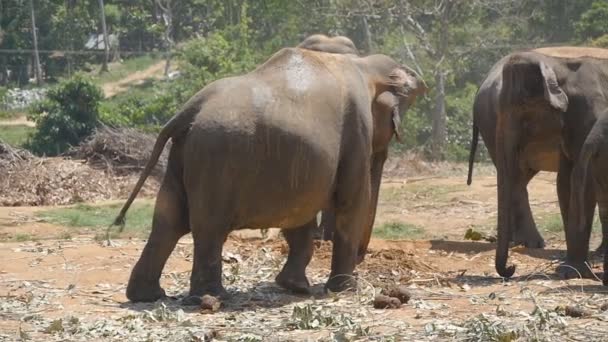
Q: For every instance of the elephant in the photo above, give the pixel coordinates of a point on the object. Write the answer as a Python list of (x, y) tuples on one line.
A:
[(385, 104), (541, 148), (546, 95), (593, 161), (272, 148)]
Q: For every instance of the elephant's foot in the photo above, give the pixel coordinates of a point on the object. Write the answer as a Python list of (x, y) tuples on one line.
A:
[(528, 237), (572, 270), (340, 283), (195, 296), (139, 291), (293, 281)]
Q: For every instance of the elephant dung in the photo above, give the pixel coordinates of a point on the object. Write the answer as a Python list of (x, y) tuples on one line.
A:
[(399, 292), (210, 304), (386, 302)]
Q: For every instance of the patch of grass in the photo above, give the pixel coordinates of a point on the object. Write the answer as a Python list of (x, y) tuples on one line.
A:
[(119, 71), (420, 192), (397, 230), (99, 217), (23, 237), (15, 135), (552, 222), (10, 114)]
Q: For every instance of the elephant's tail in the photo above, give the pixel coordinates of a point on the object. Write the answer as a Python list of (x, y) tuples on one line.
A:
[(474, 141), (176, 125)]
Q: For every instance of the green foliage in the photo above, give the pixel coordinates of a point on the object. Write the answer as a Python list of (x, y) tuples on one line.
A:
[(15, 135), (593, 22), (217, 38), (67, 116)]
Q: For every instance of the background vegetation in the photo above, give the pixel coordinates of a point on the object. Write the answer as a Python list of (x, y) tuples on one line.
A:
[(452, 43)]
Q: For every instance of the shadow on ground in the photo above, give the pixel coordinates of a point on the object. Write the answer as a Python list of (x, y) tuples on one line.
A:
[(263, 295)]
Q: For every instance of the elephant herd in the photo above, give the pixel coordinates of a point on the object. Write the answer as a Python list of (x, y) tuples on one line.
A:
[(309, 130)]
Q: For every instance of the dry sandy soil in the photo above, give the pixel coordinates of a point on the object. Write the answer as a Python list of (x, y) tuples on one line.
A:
[(70, 290)]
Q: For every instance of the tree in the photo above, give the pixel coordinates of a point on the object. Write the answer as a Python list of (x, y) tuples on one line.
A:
[(67, 116), (166, 7), (106, 41), (37, 69)]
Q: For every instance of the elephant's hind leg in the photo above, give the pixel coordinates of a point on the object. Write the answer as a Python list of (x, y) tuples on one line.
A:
[(353, 197), (206, 277), (169, 224), (293, 275)]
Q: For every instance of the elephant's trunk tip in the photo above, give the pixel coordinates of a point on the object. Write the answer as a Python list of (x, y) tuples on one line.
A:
[(504, 271)]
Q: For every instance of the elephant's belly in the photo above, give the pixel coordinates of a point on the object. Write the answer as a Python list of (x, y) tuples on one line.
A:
[(541, 141), (542, 155)]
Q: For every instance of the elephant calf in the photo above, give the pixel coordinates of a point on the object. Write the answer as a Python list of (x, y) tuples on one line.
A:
[(271, 148)]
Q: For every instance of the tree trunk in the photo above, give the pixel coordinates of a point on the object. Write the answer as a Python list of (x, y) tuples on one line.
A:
[(104, 66), (439, 132), (367, 35), (168, 36), (37, 69), (439, 118)]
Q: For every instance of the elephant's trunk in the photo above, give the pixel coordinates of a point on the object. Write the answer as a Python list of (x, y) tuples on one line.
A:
[(506, 142), (474, 141), (378, 160)]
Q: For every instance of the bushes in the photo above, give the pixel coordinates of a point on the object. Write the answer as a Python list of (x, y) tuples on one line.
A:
[(67, 116)]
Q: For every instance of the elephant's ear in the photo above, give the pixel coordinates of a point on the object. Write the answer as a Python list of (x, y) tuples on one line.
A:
[(553, 92), (405, 82)]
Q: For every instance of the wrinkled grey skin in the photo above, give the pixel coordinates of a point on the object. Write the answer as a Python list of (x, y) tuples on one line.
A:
[(384, 104), (593, 162), (271, 148), (543, 94)]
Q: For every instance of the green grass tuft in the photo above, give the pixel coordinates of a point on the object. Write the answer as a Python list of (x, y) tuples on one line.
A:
[(15, 135), (97, 217), (397, 230)]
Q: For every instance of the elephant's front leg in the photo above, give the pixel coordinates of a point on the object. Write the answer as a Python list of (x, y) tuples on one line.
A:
[(525, 231), (352, 210), (293, 274), (580, 210)]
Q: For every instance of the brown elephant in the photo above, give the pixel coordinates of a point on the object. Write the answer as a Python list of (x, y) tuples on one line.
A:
[(271, 148), (541, 97), (384, 104), (593, 161)]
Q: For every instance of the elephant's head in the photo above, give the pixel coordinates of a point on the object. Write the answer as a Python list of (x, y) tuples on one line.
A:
[(323, 43), (394, 89), (530, 86)]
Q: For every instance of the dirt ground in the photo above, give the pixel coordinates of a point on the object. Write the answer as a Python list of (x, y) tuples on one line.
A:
[(56, 289)]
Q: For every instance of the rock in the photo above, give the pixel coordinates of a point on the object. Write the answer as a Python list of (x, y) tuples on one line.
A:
[(604, 307), (210, 303), (386, 302), (399, 292)]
